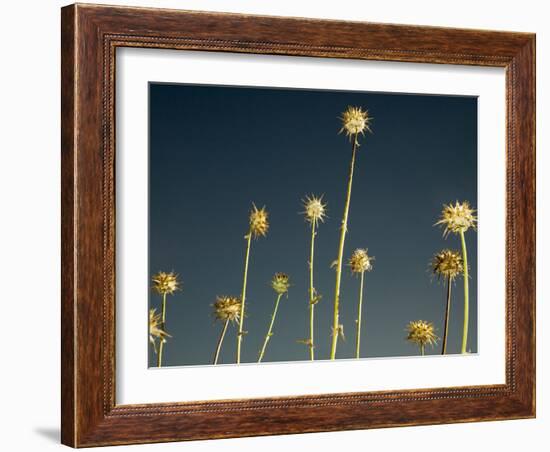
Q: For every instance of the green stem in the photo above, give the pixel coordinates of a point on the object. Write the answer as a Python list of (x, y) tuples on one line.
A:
[(359, 309), (312, 295), (344, 227), (270, 331), (422, 352), (161, 345), (220, 340), (243, 297), (447, 315), (466, 295)]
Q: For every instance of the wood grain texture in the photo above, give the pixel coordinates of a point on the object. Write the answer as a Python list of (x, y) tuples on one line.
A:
[(90, 36)]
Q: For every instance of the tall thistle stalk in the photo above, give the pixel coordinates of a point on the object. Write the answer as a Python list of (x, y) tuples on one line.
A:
[(458, 218), (258, 226), (421, 333), (466, 295), (447, 264), (164, 284), (360, 262), (354, 122), (315, 212), (280, 285), (226, 310)]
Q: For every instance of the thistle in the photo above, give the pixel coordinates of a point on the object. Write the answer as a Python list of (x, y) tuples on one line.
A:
[(280, 284), (164, 284), (458, 218), (315, 212), (355, 121), (258, 226), (226, 309), (421, 333), (155, 329), (258, 221), (447, 264), (360, 262)]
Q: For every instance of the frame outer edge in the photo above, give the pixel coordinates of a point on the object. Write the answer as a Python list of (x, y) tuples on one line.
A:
[(68, 241), (525, 62)]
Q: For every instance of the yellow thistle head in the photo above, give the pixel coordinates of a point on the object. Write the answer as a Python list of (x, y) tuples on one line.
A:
[(421, 333), (355, 121), (315, 212), (280, 283), (227, 308), (165, 283), (447, 263), (457, 218), (360, 261), (258, 221), (155, 329)]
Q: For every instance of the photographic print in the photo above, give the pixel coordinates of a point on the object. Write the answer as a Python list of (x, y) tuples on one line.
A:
[(304, 225)]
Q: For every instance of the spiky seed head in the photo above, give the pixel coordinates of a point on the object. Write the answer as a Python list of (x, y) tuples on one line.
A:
[(280, 283), (315, 212), (360, 261), (156, 332), (421, 333), (447, 263), (259, 223), (355, 121), (457, 218), (227, 308), (166, 283)]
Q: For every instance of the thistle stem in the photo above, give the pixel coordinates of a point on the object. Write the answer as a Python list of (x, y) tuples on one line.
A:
[(161, 345), (344, 227), (312, 295), (447, 314), (270, 330), (359, 309), (220, 340), (243, 297), (422, 351), (466, 295)]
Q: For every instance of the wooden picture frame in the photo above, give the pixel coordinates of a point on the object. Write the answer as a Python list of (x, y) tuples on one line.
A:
[(90, 36)]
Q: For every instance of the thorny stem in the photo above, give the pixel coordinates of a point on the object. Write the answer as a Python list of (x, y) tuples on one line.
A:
[(344, 227), (466, 297), (447, 314), (359, 309), (220, 340), (312, 295), (161, 345), (270, 331), (243, 297)]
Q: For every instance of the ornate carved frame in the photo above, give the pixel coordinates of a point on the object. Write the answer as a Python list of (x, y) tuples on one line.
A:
[(90, 36)]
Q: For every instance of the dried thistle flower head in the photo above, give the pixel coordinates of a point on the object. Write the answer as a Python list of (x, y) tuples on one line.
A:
[(457, 218), (227, 308), (258, 221), (155, 329), (360, 261), (421, 333), (315, 212), (280, 283), (165, 283), (447, 263), (355, 121)]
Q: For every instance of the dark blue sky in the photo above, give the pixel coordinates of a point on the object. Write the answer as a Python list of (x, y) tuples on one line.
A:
[(215, 150)]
